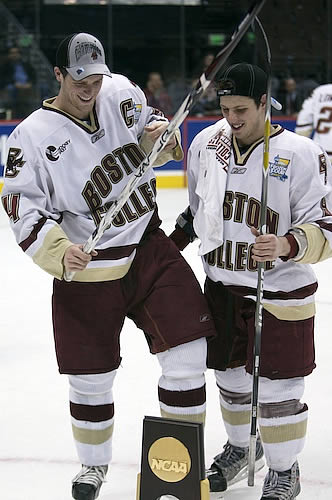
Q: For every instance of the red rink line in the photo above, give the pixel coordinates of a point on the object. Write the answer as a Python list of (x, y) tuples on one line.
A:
[(22, 460), (59, 461), (56, 461)]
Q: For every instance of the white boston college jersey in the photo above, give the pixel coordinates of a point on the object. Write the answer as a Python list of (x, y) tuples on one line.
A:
[(299, 194), (316, 116), (63, 173)]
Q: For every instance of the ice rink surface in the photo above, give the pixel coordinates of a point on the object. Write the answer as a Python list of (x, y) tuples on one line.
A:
[(37, 455)]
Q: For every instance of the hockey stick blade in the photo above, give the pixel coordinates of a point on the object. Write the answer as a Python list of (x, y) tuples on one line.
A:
[(179, 117)]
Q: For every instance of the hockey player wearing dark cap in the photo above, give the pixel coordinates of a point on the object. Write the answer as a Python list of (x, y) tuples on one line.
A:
[(225, 169)]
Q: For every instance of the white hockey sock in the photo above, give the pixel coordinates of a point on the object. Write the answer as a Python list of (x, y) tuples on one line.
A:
[(181, 387), (92, 416), (283, 439), (282, 420), (235, 396)]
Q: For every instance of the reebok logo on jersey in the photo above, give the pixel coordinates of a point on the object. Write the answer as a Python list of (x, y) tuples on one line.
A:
[(279, 168), (238, 170), (53, 153), (204, 317), (98, 136)]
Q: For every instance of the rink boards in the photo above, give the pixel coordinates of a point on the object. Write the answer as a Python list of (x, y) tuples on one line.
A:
[(171, 175)]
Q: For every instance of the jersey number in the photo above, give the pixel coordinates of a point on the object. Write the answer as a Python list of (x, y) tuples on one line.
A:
[(10, 203), (321, 129)]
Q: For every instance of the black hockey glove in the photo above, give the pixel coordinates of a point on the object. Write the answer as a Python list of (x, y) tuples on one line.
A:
[(184, 230), (185, 221)]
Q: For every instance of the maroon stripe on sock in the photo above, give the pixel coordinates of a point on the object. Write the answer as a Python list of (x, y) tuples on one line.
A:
[(183, 399), (90, 413)]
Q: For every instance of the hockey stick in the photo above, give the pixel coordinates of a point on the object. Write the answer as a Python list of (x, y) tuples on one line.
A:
[(183, 111), (260, 270)]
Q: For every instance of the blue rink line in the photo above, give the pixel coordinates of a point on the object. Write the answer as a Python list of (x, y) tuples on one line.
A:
[(169, 171)]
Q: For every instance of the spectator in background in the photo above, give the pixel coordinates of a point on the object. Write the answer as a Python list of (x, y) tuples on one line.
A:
[(177, 89), (275, 85), (306, 86), (203, 64), (289, 97), (17, 80), (156, 93), (208, 105)]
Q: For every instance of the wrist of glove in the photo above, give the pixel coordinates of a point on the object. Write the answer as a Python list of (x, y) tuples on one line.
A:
[(184, 230), (185, 223)]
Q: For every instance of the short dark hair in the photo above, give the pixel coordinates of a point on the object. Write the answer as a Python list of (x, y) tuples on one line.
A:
[(63, 71)]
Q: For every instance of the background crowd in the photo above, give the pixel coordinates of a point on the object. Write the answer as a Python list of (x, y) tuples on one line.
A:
[(163, 59), (20, 93)]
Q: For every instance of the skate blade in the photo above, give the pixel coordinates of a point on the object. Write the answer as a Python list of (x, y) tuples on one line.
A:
[(243, 474)]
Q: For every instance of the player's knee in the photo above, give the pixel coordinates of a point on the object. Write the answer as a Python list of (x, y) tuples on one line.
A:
[(235, 380), (185, 360), (92, 385), (276, 391)]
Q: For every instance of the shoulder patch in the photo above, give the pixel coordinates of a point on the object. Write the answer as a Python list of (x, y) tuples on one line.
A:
[(14, 162), (323, 166)]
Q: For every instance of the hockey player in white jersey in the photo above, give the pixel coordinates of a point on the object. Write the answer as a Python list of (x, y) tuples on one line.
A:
[(315, 117), (67, 163), (225, 168)]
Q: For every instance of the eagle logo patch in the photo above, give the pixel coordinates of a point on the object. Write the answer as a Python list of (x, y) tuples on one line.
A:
[(14, 162)]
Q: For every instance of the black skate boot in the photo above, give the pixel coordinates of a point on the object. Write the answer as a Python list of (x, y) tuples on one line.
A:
[(231, 466), (282, 485), (87, 483)]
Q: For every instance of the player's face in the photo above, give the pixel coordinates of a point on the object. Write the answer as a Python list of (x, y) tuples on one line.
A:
[(245, 119), (79, 96)]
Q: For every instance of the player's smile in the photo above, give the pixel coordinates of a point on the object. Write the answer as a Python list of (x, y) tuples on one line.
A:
[(237, 127), (86, 99)]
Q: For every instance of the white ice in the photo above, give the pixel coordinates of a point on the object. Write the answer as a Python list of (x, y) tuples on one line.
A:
[(37, 455)]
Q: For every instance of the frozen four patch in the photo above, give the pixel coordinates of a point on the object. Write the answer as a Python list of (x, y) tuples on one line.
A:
[(137, 112), (278, 168)]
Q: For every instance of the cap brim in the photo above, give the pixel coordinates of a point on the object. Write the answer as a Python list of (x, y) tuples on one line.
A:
[(226, 92), (275, 104), (80, 72)]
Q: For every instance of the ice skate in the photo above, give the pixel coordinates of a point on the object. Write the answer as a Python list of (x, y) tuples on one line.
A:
[(231, 466), (87, 483), (282, 485)]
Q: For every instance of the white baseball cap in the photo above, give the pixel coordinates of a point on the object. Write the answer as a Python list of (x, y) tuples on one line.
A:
[(82, 55)]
